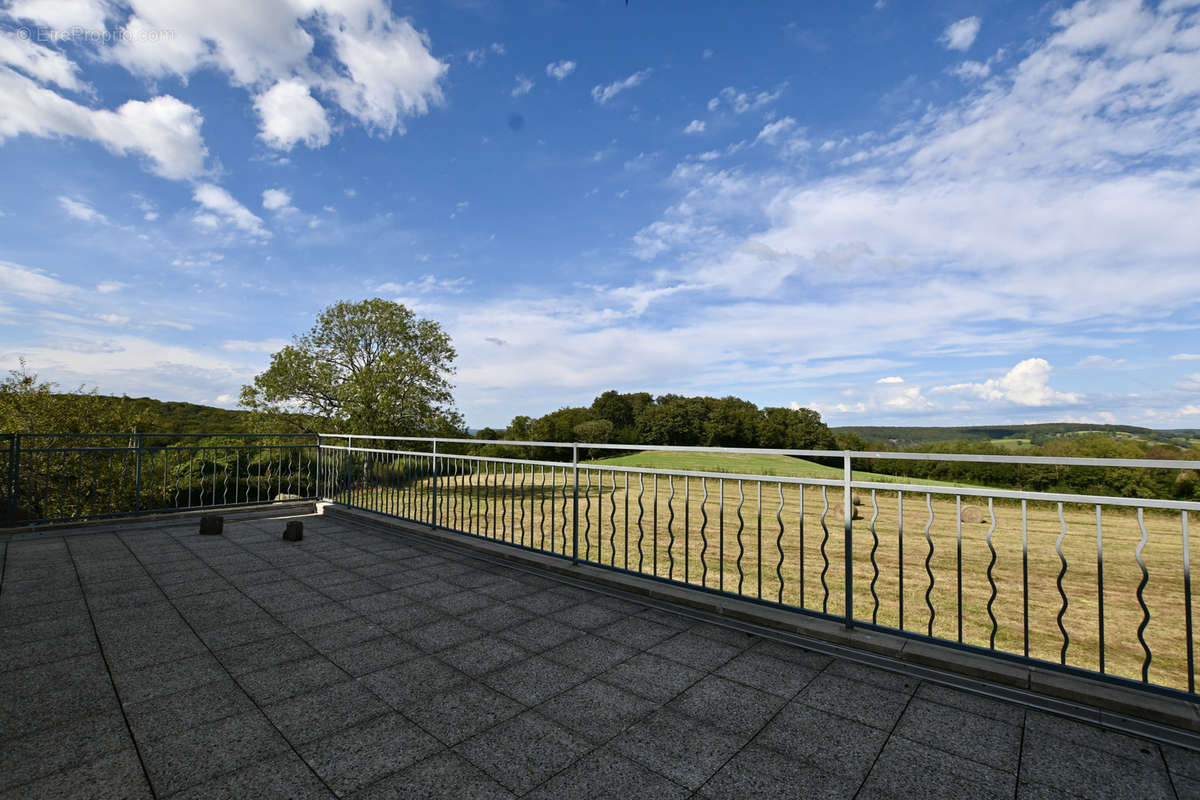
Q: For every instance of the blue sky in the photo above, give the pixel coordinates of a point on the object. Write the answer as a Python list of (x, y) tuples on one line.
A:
[(934, 213)]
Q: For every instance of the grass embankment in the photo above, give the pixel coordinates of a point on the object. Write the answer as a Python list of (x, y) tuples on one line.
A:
[(779, 549)]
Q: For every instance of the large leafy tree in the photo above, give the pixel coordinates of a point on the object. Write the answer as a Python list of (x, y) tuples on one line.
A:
[(367, 367)]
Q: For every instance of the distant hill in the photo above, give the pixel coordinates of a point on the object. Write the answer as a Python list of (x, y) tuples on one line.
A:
[(1017, 436), (178, 417)]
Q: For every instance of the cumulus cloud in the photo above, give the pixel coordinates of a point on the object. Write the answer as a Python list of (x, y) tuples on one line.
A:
[(165, 130), (38, 62), (891, 379), (1026, 384), (741, 102), (695, 126), (603, 93), (1186, 357), (276, 199), (289, 115), (560, 69), (108, 287), (961, 35), (1100, 362), (221, 208)]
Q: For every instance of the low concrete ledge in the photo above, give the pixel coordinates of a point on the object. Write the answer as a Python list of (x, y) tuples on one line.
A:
[(1125, 708), (254, 511)]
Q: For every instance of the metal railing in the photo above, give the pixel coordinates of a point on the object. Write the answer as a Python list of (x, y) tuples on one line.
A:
[(52, 477), (1091, 583)]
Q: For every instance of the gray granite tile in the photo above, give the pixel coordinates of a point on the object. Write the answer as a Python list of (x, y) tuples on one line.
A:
[(116, 776), (961, 733), (63, 748), (283, 776), (875, 676), (357, 757), (641, 634), (596, 710), (481, 656), (833, 743), (756, 773), (442, 634), (338, 635), (170, 715), (255, 630), (587, 616), (730, 706), (461, 603), (605, 773), (533, 680), (546, 601), (462, 711), (524, 751), (496, 617), (317, 714), (679, 747), (1092, 737), (589, 654), (1048, 758), (406, 684), (264, 652), (441, 776), (754, 668), (540, 634), (378, 601), (652, 677), (695, 651), (205, 751), (312, 616), (285, 680), (372, 655), (998, 710), (157, 680), (908, 769), (47, 651), (861, 702), (405, 618)]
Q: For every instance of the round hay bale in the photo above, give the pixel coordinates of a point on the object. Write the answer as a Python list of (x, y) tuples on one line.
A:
[(973, 514), (835, 512)]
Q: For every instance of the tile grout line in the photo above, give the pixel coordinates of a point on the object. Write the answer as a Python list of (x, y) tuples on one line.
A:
[(891, 732), (224, 669), (108, 668), (1020, 757), (1170, 778)]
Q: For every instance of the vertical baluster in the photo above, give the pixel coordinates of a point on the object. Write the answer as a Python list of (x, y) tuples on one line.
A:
[(992, 563), (824, 554), (703, 537), (1025, 569), (641, 513), (687, 484), (874, 563), (928, 559), (741, 526), (759, 553), (1141, 600), (1062, 612), (1187, 599), (779, 542), (670, 532)]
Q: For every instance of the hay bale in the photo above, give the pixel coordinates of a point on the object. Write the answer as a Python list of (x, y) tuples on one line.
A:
[(836, 512), (973, 514)]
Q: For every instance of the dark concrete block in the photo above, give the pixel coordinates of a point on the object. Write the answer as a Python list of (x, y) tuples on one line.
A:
[(211, 525), (294, 531)]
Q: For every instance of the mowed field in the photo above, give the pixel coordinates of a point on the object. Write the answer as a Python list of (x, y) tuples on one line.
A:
[(788, 545)]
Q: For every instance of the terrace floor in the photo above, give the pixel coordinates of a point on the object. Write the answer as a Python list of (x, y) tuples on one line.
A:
[(147, 661)]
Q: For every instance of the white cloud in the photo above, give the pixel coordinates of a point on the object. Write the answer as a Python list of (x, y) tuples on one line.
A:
[(118, 320), (424, 285), (523, 86), (560, 69), (1186, 357), (38, 62), (163, 129), (62, 15), (261, 346), (602, 94), (1100, 362), (32, 284), (891, 379), (109, 287), (1026, 384), (695, 126), (478, 57), (80, 210), (288, 115), (276, 199), (741, 102), (1189, 410), (222, 207), (961, 35)]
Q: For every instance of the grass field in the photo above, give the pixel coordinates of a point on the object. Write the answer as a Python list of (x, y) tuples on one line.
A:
[(789, 547)]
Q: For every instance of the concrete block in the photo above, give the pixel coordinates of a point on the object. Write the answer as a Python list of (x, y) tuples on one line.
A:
[(294, 531), (211, 525), (1132, 702), (975, 665)]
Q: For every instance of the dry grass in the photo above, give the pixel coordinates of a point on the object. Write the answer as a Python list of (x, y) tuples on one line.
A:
[(702, 542)]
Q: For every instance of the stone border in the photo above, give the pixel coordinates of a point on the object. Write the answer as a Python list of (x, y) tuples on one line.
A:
[(1129, 709)]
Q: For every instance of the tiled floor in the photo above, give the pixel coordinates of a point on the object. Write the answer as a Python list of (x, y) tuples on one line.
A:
[(156, 662)]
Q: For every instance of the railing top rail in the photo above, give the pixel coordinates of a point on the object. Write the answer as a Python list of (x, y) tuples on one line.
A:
[(1141, 463), (158, 435)]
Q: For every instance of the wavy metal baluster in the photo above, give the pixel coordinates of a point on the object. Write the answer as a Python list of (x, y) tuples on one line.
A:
[(625, 518), (506, 521), (721, 531), (670, 531), (874, 564), (564, 508), (523, 509), (758, 551), (928, 559), (225, 481), (802, 552), (1062, 658), (641, 511), (1187, 599), (612, 521), (741, 526), (991, 564), (1100, 581), (703, 537), (587, 515), (1141, 602), (541, 511), (779, 543), (958, 561), (824, 541), (687, 556)]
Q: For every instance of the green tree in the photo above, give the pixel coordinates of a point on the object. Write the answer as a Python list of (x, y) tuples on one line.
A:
[(367, 367), (30, 405)]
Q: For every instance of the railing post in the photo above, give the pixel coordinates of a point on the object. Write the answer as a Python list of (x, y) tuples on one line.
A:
[(137, 476), (14, 451), (575, 505), (433, 509), (848, 516), (317, 493)]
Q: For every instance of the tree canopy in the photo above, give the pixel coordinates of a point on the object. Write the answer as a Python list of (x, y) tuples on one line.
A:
[(366, 367), (31, 405)]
